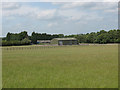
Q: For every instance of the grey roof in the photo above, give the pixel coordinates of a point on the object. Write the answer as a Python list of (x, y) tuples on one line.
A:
[(43, 40), (65, 38)]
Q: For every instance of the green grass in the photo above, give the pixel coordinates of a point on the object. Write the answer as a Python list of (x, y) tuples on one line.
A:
[(61, 67)]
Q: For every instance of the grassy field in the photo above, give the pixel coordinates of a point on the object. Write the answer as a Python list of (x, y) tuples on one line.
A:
[(61, 67)]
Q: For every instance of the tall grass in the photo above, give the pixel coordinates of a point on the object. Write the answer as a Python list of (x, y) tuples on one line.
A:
[(61, 67)]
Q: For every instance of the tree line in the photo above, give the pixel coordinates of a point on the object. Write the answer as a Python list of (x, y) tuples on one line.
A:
[(23, 38), (14, 39), (101, 37)]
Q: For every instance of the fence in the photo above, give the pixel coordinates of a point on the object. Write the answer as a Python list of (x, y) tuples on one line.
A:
[(29, 48), (49, 46)]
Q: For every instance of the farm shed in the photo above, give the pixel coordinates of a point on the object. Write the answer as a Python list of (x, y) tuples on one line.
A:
[(64, 41), (43, 41)]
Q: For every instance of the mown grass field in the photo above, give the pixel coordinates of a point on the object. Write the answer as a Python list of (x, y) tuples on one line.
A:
[(61, 67)]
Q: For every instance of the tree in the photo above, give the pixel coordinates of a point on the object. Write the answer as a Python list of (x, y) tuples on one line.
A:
[(91, 38), (61, 35), (8, 36), (26, 41), (23, 35), (34, 38), (81, 38), (103, 38)]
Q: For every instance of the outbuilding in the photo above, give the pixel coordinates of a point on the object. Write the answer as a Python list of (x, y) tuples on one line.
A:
[(64, 41), (44, 41)]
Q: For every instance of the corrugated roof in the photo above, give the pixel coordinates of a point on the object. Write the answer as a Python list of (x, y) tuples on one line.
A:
[(65, 38), (43, 40)]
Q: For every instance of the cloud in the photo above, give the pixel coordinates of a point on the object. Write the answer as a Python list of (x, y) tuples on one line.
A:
[(46, 14), (75, 15), (52, 24), (28, 11), (104, 6), (111, 10), (71, 10), (10, 5), (61, 0), (61, 17), (71, 14), (77, 4)]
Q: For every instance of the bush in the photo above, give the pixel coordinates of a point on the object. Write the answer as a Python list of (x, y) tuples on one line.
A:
[(26, 41), (16, 43)]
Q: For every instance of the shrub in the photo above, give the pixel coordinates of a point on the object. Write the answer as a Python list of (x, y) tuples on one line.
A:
[(16, 43)]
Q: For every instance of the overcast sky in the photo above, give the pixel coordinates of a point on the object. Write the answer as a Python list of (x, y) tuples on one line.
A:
[(59, 18)]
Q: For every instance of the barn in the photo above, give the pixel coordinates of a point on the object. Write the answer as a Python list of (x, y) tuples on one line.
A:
[(64, 41), (43, 41)]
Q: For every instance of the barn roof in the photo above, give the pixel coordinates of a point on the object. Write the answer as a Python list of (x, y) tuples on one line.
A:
[(65, 38), (43, 40)]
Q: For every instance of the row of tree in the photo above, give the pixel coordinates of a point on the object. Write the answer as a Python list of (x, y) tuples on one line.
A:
[(16, 39), (101, 37), (16, 43), (16, 36), (23, 38)]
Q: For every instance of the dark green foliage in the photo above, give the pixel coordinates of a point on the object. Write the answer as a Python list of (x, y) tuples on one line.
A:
[(8, 36), (102, 37), (23, 35), (16, 39), (16, 43), (4, 38), (61, 35), (26, 41), (34, 38)]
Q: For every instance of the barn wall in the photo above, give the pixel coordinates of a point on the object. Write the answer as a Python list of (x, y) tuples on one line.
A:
[(68, 42), (64, 42)]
